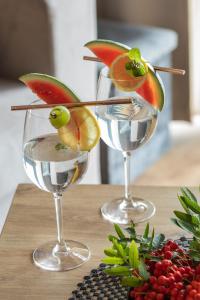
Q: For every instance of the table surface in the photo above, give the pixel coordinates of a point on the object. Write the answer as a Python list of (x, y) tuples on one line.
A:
[(31, 222)]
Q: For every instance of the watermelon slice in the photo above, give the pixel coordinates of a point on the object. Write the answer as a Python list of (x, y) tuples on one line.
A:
[(107, 50), (48, 88), (82, 132), (152, 90)]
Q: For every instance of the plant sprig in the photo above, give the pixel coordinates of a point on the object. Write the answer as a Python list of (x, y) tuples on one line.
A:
[(189, 220), (127, 255), (125, 258)]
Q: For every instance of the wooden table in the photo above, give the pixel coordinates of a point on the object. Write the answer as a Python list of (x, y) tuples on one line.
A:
[(31, 222)]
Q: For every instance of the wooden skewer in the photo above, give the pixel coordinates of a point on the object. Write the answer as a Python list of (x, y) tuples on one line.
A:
[(73, 105), (157, 68)]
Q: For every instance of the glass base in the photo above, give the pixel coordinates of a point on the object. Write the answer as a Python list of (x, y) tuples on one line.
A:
[(54, 257), (121, 211)]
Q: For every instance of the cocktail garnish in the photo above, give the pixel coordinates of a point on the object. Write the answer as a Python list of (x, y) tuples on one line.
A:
[(60, 146), (59, 116), (116, 56), (136, 67), (189, 220), (78, 130)]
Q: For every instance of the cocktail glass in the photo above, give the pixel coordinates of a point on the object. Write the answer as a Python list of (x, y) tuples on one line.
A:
[(125, 128), (53, 167)]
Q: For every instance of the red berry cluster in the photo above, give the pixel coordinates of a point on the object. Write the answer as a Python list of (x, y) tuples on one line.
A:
[(173, 277)]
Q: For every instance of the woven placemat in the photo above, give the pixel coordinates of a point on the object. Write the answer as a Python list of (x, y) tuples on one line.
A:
[(100, 286)]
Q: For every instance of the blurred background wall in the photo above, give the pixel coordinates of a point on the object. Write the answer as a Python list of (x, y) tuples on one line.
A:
[(163, 13), (43, 36)]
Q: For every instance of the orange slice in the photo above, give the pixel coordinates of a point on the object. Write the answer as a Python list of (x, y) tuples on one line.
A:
[(122, 78), (82, 132)]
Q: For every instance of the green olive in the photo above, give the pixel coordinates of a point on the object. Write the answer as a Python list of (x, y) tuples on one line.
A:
[(59, 116)]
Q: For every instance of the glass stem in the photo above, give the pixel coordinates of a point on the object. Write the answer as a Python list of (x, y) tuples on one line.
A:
[(127, 156), (59, 217)]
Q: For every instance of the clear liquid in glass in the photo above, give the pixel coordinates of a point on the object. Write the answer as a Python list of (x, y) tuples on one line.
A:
[(50, 167), (126, 127)]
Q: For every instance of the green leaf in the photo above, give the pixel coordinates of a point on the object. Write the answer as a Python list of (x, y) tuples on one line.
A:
[(194, 250), (111, 238), (133, 255), (136, 66), (146, 231), (174, 220), (143, 270), (184, 225), (158, 240), (111, 252), (119, 231), (184, 192), (190, 194), (194, 206), (195, 245), (113, 261), (152, 238), (127, 251), (123, 243), (131, 230), (131, 281), (118, 271), (187, 218), (134, 54), (195, 256), (182, 202), (196, 233), (120, 250)]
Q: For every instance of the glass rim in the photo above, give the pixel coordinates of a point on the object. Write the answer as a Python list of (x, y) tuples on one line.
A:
[(30, 112), (34, 112)]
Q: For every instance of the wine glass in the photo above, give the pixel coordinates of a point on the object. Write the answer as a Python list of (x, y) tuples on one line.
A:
[(53, 167), (125, 127)]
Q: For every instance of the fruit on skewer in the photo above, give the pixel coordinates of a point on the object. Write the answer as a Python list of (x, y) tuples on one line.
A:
[(59, 116), (149, 86), (79, 129)]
